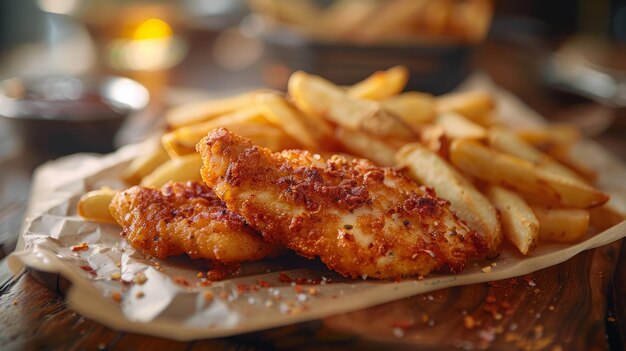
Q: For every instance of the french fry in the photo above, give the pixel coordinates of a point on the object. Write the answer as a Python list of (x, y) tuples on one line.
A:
[(499, 168), (344, 16), (94, 205), (457, 126), (563, 156), (465, 200), (413, 107), (519, 223), (564, 225), (605, 216), (390, 16), (381, 85), (318, 97), (183, 140), (507, 141), (179, 169), (363, 145), (201, 111), (144, 164), (477, 106), (280, 112), (559, 136)]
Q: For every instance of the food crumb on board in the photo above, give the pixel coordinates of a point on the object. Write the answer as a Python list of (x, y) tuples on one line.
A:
[(469, 322), (486, 269), (140, 278), (80, 247), (116, 296)]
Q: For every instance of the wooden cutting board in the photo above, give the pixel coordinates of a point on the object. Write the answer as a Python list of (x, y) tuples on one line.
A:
[(559, 308)]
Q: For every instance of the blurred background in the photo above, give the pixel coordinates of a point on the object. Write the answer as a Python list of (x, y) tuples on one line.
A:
[(92, 75)]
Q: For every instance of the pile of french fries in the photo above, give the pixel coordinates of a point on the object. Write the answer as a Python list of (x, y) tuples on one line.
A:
[(518, 184), (374, 21)]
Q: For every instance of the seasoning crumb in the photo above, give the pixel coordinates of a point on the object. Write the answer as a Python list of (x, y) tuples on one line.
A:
[(611, 319), (102, 346), (80, 247), (116, 276), (140, 278), (181, 281), (200, 275), (118, 265), (284, 278), (140, 294), (116, 296), (486, 269), (491, 299), (494, 264), (312, 291), (14, 302), (348, 226), (208, 296)]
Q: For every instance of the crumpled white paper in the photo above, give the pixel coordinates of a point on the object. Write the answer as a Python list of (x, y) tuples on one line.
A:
[(257, 298)]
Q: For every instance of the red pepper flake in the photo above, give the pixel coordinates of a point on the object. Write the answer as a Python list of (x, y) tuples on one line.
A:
[(312, 291), (505, 304), (284, 278), (242, 288), (301, 280), (490, 299), (403, 324), (200, 275), (262, 283), (88, 269), (469, 322), (298, 288), (116, 296), (80, 247), (181, 281)]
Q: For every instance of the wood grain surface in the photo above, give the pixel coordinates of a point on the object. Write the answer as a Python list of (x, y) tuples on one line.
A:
[(558, 308), (577, 305)]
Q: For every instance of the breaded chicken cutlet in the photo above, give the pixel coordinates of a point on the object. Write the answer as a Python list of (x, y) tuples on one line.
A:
[(359, 219), (186, 218)]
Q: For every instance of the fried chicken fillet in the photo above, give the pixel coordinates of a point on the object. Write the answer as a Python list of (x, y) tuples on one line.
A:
[(186, 218), (361, 220)]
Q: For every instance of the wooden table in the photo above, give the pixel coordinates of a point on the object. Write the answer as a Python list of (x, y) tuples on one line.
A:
[(577, 305)]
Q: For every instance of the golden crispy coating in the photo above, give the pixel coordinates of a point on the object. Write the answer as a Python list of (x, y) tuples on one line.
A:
[(186, 218), (361, 220)]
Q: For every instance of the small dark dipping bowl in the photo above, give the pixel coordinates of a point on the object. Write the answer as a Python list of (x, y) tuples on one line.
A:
[(58, 115)]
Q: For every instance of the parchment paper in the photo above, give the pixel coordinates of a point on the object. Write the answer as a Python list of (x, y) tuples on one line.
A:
[(258, 297)]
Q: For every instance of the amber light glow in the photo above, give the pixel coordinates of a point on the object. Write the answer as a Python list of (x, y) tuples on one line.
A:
[(151, 46)]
